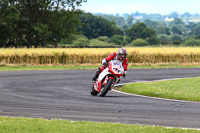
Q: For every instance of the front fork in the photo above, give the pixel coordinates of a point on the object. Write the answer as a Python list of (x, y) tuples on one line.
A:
[(106, 80), (99, 85)]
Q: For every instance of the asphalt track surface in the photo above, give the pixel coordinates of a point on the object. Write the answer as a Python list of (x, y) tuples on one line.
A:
[(65, 94)]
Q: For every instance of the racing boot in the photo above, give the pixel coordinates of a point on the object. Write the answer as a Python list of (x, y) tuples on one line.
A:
[(99, 70), (94, 78)]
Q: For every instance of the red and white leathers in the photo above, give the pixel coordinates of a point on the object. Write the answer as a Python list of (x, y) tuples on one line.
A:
[(112, 56)]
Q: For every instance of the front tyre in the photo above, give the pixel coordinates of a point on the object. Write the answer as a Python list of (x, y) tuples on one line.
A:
[(106, 88), (93, 92)]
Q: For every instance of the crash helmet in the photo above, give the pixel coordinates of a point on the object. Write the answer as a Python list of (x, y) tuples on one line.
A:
[(121, 54)]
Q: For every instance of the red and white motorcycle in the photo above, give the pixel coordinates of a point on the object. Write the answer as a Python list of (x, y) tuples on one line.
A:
[(107, 78)]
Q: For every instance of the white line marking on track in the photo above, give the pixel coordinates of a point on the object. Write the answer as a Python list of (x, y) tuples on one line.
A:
[(140, 81), (184, 128)]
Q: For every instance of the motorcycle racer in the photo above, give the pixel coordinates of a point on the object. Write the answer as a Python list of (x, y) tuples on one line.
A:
[(120, 55)]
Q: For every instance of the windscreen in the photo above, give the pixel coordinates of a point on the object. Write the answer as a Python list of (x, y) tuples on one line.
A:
[(117, 62)]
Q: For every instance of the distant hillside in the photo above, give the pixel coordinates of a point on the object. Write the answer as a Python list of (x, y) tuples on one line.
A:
[(129, 19)]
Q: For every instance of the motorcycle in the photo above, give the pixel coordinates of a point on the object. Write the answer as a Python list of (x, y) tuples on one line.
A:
[(108, 78)]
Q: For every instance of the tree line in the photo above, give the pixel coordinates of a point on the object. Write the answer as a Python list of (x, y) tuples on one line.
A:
[(96, 30), (178, 30), (145, 33), (41, 23)]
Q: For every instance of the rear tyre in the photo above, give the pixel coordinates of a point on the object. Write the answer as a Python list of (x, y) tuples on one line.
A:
[(93, 92), (106, 88)]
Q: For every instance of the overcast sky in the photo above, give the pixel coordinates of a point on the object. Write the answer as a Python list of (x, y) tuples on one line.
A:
[(143, 6)]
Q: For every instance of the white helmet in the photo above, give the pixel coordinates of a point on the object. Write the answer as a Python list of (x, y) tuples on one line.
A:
[(121, 53)]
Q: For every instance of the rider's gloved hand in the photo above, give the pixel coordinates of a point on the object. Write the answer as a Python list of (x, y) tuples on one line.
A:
[(118, 81), (105, 64), (124, 75)]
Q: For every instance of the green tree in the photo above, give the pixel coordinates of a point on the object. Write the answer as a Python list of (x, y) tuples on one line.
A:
[(167, 31), (175, 37), (176, 42), (191, 25), (63, 24), (178, 26), (151, 24), (129, 21), (104, 39), (177, 21), (30, 22), (120, 21), (117, 39), (10, 15), (96, 42), (196, 30), (176, 30), (192, 42), (162, 30), (81, 42), (163, 39), (4, 33), (186, 14), (139, 42), (140, 30), (174, 15), (95, 26)]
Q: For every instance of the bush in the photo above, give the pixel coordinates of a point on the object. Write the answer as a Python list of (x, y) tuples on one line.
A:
[(163, 38), (175, 37), (192, 42), (96, 42), (197, 37), (139, 42), (82, 41), (176, 42), (104, 39), (153, 41), (117, 39), (70, 39)]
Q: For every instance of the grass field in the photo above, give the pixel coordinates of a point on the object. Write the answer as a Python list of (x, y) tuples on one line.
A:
[(30, 125), (181, 89), (143, 55), (33, 68)]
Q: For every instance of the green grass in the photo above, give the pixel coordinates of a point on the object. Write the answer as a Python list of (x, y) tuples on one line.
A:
[(60, 67), (181, 89), (30, 125), (26, 68)]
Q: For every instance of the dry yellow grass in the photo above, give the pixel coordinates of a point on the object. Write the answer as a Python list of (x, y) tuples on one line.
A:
[(42, 56)]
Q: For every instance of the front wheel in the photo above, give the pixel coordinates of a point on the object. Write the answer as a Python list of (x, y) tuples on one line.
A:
[(106, 88)]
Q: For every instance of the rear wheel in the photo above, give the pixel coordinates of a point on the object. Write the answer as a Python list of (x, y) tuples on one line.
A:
[(93, 91), (106, 88)]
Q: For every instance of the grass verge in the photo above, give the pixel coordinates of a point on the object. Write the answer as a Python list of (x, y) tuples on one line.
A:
[(30, 125), (181, 89), (25, 67), (30, 68)]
